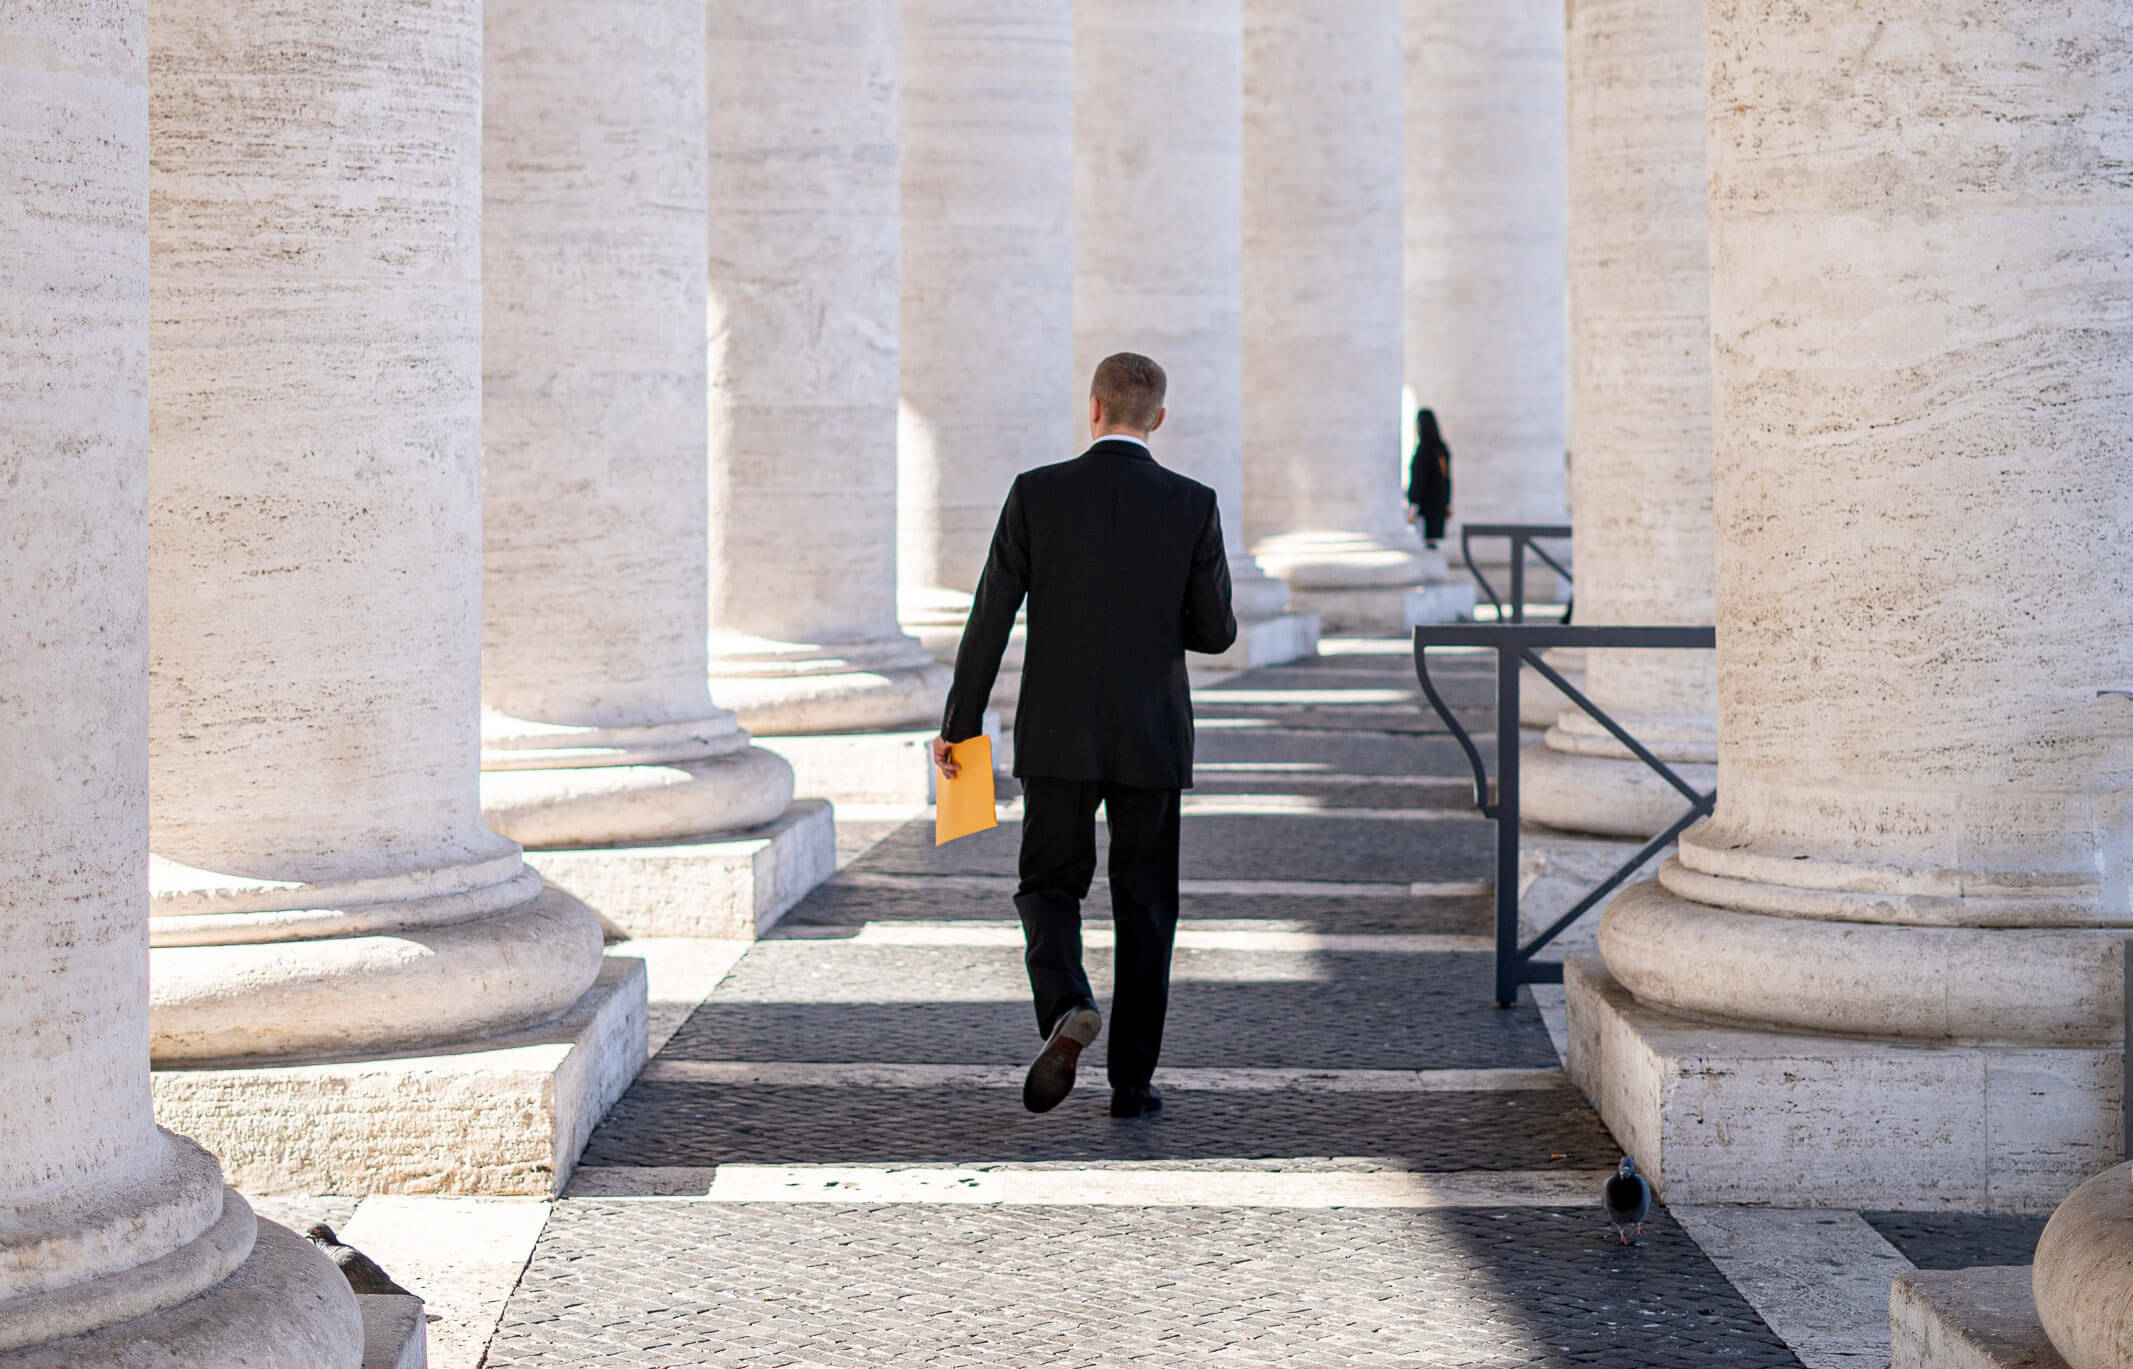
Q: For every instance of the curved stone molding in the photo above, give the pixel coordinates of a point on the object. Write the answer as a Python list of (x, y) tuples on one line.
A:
[(316, 529), (1158, 238), (2083, 1276), (2057, 986), (374, 993), (1640, 403), (782, 689), (1486, 168)]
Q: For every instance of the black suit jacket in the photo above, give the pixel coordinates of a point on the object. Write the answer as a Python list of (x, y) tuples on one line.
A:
[(1123, 565)]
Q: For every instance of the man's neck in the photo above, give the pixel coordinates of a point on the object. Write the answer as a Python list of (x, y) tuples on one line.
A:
[(1120, 435)]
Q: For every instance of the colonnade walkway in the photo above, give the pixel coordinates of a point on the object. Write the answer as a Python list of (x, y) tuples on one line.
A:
[(1362, 1160)]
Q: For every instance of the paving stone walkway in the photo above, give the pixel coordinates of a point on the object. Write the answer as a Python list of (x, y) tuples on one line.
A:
[(1363, 1161)]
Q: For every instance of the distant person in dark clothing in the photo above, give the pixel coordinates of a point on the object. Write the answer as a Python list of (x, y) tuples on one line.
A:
[(1123, 565), (1429, 478)]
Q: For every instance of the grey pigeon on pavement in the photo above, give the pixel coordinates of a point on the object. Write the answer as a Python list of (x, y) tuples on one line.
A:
[(361, 1271), (1628, 1200)]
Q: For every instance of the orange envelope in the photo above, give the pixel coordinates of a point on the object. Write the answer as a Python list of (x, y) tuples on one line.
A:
[(963, 805)]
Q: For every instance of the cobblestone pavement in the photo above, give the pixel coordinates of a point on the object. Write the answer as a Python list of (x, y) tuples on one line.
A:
[(1330, 809), (1960, 1240)]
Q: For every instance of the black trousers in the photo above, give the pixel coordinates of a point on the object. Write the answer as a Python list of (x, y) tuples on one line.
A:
[(1058, 861)]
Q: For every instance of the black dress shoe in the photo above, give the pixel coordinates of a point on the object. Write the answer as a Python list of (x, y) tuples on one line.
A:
[(1051, 1074), (1135, 1100)]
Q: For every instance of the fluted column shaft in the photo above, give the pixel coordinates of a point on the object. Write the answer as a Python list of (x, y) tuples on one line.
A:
[(1923, 364), (1323, 502), (326, 882), (1485, 248), (987, 356), (1640, 376), (599, 725), (108, 1219), (803, 371), (1158, 236)]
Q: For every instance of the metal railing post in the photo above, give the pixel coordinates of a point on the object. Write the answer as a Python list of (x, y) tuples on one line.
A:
[(1508, 669)]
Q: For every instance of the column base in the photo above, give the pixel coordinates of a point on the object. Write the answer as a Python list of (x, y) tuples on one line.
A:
[(285, 1307), (394, 1333), (506, 1116), (1265, 641), (1722, 1114), (1602, 795), (894, 768), (1982, 1318), (1385, 610), (734, 886), (783, 689)]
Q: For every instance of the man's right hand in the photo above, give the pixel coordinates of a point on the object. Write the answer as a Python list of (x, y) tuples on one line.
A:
[(944, 758)]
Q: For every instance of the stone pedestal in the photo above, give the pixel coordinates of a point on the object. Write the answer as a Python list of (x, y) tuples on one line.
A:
[(598, 728), (1982, 1318), (324, 883), (803, 311), (1486, 168), (1896, 925), (1640, 392), (1158, 259), (121, 1245), (1323, 470)]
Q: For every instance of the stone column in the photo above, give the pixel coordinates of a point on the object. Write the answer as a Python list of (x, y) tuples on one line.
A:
[(1640, 375), (599, 726), (120, 1239), (1923, 332), (988, 288), (803, 366), (1158, 252), (1485, 249), (1323, 469), (325, 883)]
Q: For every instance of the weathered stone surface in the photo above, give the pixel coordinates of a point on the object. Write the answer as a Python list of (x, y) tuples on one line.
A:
[(2083, 1279), (505, 1115), (803, 371), (1982, 1318), (1640, 382), (1485, 162), (734, 886), (1723, 1114), (393, 1332)]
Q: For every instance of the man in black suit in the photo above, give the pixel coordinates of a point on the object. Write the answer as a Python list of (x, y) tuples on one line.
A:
[(1123, 565)]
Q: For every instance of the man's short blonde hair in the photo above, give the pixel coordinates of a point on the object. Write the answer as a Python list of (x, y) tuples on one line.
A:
[(1132, 389)]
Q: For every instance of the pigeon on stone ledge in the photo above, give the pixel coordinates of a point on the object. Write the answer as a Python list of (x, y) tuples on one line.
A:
[(1628, 1200), (359, 1269)]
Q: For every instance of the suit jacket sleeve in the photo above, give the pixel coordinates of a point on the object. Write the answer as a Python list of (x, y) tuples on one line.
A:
[(992, 621), (1210, 625)]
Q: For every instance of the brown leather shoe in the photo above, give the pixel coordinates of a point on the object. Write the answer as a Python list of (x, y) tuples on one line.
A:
[(1051, 1074)]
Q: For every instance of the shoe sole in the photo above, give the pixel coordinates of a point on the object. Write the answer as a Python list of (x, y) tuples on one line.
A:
[(1051, 1074)]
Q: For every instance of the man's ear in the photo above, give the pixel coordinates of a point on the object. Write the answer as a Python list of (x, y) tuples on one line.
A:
[(1160, 415), (1096, 412)]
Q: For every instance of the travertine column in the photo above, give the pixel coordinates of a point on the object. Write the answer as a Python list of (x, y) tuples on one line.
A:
[(988, 284), (1158, 236), (1923, 363), (599, 725), (803, 312), (118, 1239), (1640, 375), (1323, 501), (325, 881), (1485, 245)]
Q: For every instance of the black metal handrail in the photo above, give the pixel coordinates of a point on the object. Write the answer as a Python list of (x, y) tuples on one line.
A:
[(1521, 644), (1524, 537)]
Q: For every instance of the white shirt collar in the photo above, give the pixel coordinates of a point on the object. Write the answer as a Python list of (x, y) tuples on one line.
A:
[(1125, 437)]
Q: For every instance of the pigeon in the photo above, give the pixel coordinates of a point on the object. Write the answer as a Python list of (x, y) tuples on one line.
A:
[(1628, 1200), (359, 1269)]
